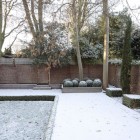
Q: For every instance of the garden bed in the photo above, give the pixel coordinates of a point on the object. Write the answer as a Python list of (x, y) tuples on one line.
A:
[(27, 117), (81, 89)]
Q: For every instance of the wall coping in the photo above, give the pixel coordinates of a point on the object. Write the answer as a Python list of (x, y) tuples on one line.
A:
[(16, 61), (29, 61)]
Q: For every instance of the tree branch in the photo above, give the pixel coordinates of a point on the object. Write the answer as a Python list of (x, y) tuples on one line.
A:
[(15, 38), (27, 12), (40, 15), (33, 15), (20, 24)]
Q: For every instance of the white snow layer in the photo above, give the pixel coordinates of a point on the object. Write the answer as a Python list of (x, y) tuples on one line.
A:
[(24, 120), (90, 116), (114, 89), (94, 117), (132, 96)]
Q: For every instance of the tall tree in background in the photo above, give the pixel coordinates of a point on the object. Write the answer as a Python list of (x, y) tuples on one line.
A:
[(106, 43), (45, 46), (6, 8), (1, 18), (126, 58), (34, 16), (35, 23), (78, 13)]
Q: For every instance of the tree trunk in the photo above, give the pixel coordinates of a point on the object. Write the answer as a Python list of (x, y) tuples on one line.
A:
[(1, 27), (27, 12), (79, 60), (33, 15), (106, 43), (76, 35), (40, 14)]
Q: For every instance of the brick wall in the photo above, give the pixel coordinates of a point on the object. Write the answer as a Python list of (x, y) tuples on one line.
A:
[(114, 77), (59, 74), (135, 79), (23, 72)]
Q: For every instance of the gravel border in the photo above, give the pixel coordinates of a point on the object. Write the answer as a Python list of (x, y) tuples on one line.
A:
[(50, 125)]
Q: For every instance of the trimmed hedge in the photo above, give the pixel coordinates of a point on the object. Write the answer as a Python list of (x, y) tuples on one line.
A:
[(85, 83), (131, 102), (114, 92)]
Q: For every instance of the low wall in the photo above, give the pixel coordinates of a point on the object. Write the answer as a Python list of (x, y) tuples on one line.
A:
[(21, 71)]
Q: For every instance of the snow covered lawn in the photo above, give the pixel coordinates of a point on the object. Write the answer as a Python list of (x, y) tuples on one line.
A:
[(24, 120)]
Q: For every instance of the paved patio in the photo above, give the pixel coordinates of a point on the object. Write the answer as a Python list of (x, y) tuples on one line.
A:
[(94, 117)]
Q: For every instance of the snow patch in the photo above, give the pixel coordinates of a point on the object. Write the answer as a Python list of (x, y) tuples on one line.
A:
[(132, 96), (113, 89)]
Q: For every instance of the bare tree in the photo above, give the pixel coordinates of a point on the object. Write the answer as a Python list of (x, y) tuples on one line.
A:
[(76, 24), (45, 49), (78, 11), (6, 8)]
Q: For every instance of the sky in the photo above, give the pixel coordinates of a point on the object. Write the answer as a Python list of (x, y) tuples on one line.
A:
[(132, 4)]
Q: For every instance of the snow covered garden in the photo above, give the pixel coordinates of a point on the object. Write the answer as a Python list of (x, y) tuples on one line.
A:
[(58, 59), (76, 116), (24, 119)]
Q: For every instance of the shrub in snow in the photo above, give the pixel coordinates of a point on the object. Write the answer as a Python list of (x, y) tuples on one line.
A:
[(82, 84), (75, 83), (119, 61), (86, 78), (115, 61), (68, 84), (97, 83), (76, 79), (131, 101), (89, 83), (135, 44), (135, 62), (66, 80), (88, 50), (114, 92)]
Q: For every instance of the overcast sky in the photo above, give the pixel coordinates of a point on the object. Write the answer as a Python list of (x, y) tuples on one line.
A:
[(133, 4)]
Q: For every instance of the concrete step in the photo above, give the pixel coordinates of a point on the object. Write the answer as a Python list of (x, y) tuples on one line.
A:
[(42, 87), (17, 86)]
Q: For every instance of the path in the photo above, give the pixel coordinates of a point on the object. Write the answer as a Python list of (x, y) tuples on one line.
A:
[(94, 117)]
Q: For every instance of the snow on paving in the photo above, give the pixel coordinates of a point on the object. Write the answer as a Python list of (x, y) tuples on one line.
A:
[(94, 117), (89, 116)]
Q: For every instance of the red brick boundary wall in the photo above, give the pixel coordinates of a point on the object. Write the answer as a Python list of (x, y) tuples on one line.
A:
[(59, 74), (114, 77), (21, 71), (22, 74)]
